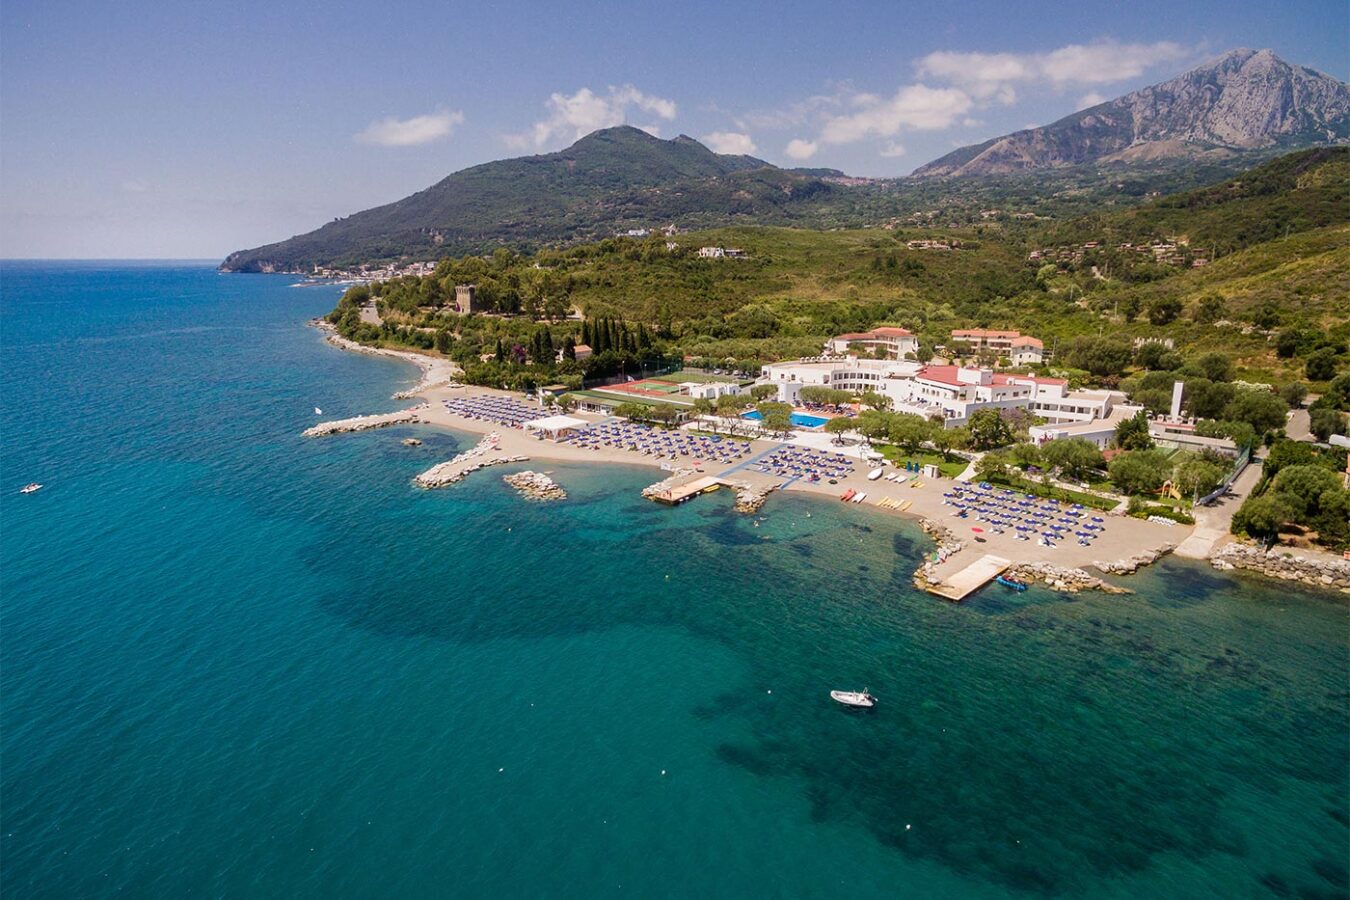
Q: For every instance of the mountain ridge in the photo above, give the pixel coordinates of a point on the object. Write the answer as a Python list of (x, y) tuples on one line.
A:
[(1242, 100), (539, 198)]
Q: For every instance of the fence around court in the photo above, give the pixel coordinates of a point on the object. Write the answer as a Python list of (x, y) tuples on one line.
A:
[(1243, 459)]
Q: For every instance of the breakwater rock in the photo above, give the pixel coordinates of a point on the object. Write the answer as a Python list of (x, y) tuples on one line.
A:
[(535, 486), (363, 423), (749, 499), (665, 485), (480, 456), (1323, 572), (1131, 564), (947, 544), (1062, 579)]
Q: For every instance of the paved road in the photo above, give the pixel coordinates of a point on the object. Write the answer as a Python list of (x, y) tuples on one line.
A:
[(1297, 428), (1213, 523), (369, 314)]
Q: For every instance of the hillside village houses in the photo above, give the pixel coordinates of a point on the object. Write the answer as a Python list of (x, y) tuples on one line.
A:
[(722, 253)]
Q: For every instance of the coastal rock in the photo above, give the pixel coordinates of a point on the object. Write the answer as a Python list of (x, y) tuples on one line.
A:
[(1131, 564), (535, 486), (1318, 572), (411, 442)]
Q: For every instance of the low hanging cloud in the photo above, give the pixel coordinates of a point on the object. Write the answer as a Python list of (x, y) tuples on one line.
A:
[(996, 76), (914, 106), (393, 132), (572, 116), (800, 149), (730, 142), (893, 150), (1091, 98)]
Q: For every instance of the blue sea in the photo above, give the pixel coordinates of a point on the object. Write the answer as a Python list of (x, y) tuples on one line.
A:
[(237, 662)]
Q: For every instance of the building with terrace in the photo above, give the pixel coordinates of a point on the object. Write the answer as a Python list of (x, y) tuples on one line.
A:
[(895, 343)]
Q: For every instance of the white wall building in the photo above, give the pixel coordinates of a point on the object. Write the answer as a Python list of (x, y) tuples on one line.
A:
[(710, 390), (1026, 351), (850, 374), (895, 342)]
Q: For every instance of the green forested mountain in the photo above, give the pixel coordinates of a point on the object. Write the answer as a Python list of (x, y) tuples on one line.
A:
[(609, 180), (1274, 294), (1290, 194), (623, 178)]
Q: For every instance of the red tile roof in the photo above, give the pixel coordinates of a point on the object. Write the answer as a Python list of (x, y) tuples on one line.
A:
[(947, 375), (893, 332), (1027, 340)]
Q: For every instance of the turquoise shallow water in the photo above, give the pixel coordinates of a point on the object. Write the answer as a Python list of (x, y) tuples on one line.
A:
[(236, 662)]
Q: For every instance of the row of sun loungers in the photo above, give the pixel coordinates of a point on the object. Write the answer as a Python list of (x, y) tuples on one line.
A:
[(499, 410), (1047, 522), (658, 442), (802, 462)]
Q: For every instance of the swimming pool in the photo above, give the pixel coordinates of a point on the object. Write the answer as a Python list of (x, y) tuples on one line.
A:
[(801, 420)]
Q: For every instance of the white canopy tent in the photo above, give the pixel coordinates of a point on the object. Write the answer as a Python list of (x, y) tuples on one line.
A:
[(554, 427)]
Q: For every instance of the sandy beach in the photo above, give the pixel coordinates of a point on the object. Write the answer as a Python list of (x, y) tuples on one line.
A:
[(1124, 537)]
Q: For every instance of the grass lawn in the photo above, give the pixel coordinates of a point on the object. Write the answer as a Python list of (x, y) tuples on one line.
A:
[(948, 468)]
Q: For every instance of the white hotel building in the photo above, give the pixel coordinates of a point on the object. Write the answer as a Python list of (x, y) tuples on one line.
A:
[(948, 393)]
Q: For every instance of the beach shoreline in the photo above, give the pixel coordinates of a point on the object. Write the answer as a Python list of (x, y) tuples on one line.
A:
[(1127, 544)]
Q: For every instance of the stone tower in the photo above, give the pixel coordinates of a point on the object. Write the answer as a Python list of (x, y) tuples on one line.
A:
[(465, 295)]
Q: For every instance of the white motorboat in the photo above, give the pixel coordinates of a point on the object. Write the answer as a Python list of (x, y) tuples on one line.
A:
[(875, 474), (854, 698), (860, 496), (317, 411), (30, 488)]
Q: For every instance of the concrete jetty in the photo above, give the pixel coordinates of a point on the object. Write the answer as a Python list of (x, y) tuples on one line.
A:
[(968, 578)]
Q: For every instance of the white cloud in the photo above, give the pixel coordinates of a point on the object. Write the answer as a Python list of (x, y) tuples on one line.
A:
[(1091, 98), (993, 76), (799, 149), (893, 150), (135, 186), (393, 132), (730, 142), (914, 106), (572, 116)]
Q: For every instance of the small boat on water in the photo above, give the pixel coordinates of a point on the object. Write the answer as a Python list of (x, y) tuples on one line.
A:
[(875, 474), (1011, 583), (30, 488), (317, 411), (854, 698)]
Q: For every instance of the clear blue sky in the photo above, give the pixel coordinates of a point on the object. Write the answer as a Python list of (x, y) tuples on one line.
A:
[(151, 129)]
